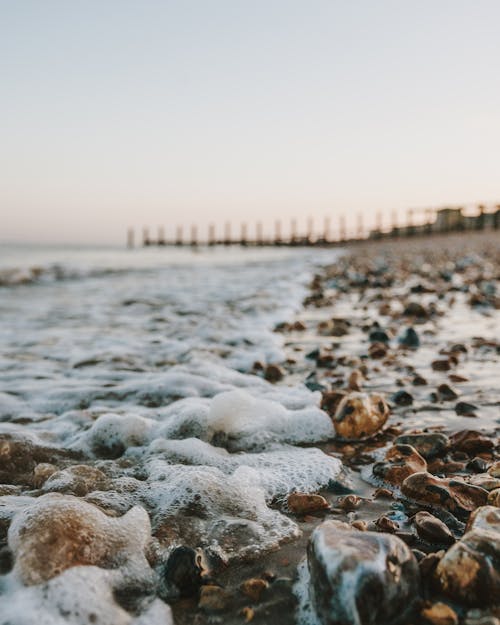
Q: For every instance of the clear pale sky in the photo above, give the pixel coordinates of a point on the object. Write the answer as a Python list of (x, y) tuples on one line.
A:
[(118, 113)]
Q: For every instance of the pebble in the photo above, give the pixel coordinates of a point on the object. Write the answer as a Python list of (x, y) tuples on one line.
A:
[(400, 462), (439, 614), (419, 380), (471, 442), (377, 351), (446, 392), (427, 445), (182, 572), (360, 415), (441, 365), (494, 497), (454, 495), (253, 588), (330, 401), (464, 409), (213, 598), (432, 529), (494, 470), (402, 398), (469, 572), (360, 578), (486, 518), (379, 336), (409, 338), (273, 373), (303, 503), (414, 309)]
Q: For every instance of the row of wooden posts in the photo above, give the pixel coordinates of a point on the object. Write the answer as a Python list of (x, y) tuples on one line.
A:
[(417, 222)]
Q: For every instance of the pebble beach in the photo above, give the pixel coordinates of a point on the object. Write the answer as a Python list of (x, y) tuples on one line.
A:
[(280, 436)]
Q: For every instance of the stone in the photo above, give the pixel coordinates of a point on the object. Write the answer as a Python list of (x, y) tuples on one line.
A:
[(441, 365), (213, 598), (400, 462), (377, 351), (494, 497), (304, 503), (57, 532), (182, 573), (485, 518), (432, 529), (402, 398), (494, 470), (414, 309), (464, 409), (409, 339), (360, 415), (355, 381), (427, 445), (253, 588), (360, 578), (469, 572), (446, 392), (439, 614), (379, 336), (471, 442), (78, 480), (273, 373), (330, 401), (485, 480), (454, 495)]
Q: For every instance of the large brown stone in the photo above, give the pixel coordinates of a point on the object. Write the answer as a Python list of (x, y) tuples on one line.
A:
[(360, 578), (456, 496), (400, 462), (360, 415), (469, 572)]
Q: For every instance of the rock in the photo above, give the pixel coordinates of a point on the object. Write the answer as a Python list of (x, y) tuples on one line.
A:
[(253, 588), (78, 480), (400, 462), (414, 309), (409, 339), (446, 392), (465, 409), (182, 573), (334, 327), (385, 524), (428, 564), (355, 381), (379, 336), (360, 578), (441, 365), (377, 351), (419, 380), (303, 503), (433, 530), (469, 572), (402, 398), (478, 465), (494, 470), (273, 373), (213, 598), (485, 518), (485, 480), (471, 442), (57, 532), (330, 401), (494, 498), (348, 503), (360, 415), (439, 614), (453, 495), (42, 472), (427, 445)]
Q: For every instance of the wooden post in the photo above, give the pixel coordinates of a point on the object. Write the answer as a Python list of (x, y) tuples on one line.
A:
[(310, 230), (277, 232), (395, 224), (410, 228), (161, 235), (178, 235), (326, 229), (258, 233), (194, 235), (428, 220), (360, 227), (293, 231), (145, 237), (342, 229), (130, 238), (227, 233), (244, 235), (211, 234), (480, 221)]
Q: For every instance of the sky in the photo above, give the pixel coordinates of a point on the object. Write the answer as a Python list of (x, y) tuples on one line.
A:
[(121, 113)]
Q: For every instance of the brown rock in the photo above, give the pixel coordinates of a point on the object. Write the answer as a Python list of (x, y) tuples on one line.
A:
[(494, 498), (360, 578), (273, 373), (360, 415), (303, 503), (471, 442), (330, 401), (454, 495), (213, 598), (485, 518), (253, 588), (432, 529), (441, 365), (469, 572), (378, 351), (439, 614), (355, 381), (400, 462), (428, 445)]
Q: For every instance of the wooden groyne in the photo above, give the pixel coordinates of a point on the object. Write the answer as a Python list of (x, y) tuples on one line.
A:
[(417, 223)]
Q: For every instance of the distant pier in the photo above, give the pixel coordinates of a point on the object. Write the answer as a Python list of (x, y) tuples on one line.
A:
[(423, 222)]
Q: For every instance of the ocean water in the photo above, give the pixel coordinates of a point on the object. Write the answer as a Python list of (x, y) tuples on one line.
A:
[(138, 364)]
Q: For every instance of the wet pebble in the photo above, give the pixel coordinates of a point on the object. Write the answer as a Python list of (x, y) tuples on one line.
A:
[(360, 415), (439, 614), (182, 573), (273, 373), (402, 398), (446, 393), (429, 445), (304, 503), (400, 462), (409, 338), (432, 529), (464, 409)]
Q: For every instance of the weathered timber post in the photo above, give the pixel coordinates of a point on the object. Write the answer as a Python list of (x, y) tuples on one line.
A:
[(145, 237), (178, 235), (258, 233), (130, 238), (244, 234), (194, 235), (161, 235), (277, 232), (227, 233)]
